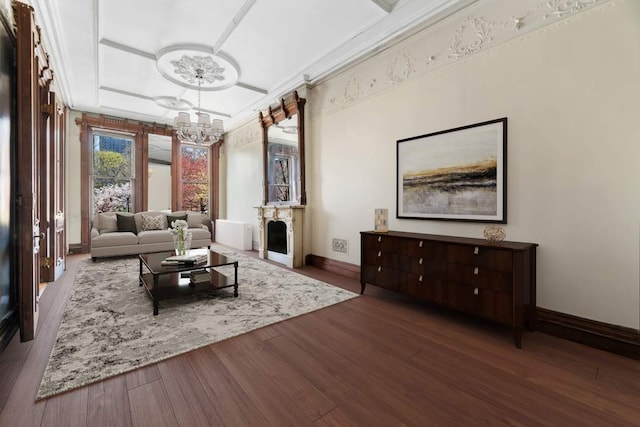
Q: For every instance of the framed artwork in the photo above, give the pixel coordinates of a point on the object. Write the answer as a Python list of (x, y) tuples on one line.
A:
[(455, 174)]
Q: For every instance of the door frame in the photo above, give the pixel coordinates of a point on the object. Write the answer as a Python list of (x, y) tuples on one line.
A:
[(33, 73)]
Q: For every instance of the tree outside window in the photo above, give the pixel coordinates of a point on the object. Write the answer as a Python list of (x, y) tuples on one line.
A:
[(113, 177), (195, 178)]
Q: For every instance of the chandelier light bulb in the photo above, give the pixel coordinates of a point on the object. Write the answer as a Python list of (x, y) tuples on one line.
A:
[(203, 130)]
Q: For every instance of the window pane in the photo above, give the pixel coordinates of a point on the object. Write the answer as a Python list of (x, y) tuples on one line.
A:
[(195, 178), (111, 195), (113, 175), (112, 157)]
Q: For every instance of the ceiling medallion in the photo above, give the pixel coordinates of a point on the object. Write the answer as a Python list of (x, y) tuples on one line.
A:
[(179, 63), (186, 68), (172, 103)]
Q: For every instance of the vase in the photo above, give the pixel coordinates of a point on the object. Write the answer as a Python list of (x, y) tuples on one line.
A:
[(182, 242)]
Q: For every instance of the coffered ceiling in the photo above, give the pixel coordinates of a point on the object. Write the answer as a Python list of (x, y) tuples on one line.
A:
[(133, 59)]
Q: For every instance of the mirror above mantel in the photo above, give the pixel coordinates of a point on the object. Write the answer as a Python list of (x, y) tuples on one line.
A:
[(283, 152)]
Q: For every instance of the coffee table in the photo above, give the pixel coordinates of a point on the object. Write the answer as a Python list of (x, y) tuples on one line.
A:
[(165, 282)]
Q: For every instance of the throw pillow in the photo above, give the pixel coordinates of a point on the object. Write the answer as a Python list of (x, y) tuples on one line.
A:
[(126, 222), (171, 218), (153, 222), (195, 219), (107, 223)]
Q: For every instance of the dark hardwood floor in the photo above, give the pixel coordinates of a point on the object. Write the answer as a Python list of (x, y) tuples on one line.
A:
[(379, 359)]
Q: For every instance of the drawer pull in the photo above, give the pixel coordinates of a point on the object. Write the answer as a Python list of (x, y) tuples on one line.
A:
[(379, 254), (475, 271), (379, 238), (379, 269), (420, 262), (476, 250), (420, 278), (475, 291), (421, 243)]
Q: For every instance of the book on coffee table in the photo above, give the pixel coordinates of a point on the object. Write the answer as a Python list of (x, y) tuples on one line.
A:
[(184, 260)]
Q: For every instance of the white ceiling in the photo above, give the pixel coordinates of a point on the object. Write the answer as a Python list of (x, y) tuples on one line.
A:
[(115, 56)]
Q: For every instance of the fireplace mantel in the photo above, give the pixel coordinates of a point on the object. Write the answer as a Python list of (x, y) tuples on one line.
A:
[(293, 217)]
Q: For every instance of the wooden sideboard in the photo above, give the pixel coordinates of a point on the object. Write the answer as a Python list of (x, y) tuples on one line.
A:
[(496, 281)]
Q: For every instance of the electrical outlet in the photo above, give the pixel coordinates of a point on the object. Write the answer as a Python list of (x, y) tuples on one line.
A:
[(340, 245)]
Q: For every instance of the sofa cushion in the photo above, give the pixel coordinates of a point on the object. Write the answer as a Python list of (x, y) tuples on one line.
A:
[(195, 219), (116, 238), (151, 222), (107, 222), (174, 217), (155, 236), (126, 222), (199, 233)]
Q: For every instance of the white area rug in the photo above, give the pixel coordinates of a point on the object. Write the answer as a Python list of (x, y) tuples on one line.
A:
[(108, 325)]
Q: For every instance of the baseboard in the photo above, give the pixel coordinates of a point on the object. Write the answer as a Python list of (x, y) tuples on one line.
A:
[(338, 267), (76, 248), (615, 339)]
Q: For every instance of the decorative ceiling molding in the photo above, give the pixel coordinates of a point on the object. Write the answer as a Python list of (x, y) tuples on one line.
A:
[(248, 4), (495, 23), (126, 93), (386, 5), (173, 103), (178, 64), (252, 88), (128, 49), (164, 101), (192, 68)]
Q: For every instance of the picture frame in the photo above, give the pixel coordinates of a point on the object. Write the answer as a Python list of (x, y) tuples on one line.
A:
[(455, 174)]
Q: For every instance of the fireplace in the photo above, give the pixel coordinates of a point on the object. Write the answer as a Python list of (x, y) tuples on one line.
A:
[(277, 237), (280, 229)]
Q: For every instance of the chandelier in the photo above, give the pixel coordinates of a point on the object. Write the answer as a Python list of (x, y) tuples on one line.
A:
[(203, 130)]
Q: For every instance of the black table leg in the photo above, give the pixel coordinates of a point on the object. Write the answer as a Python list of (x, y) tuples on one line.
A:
[(153, 295), (235, 276)]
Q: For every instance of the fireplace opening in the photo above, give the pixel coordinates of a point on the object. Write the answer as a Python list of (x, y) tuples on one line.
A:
[(277, 237)]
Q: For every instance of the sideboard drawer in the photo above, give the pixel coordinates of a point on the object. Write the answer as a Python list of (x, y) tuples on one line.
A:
[(480, 256), (496, 280), (424, 287), (385, 259), (422, 248), (496, 306), (379, 275), (380, 242), (429, 267)]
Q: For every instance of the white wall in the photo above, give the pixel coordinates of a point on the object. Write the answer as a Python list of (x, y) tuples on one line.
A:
[(73, 208), (570, 91), (242, 159), (159, 197)]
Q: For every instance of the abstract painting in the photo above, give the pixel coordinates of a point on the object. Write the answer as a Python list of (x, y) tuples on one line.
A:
[(454, 174)]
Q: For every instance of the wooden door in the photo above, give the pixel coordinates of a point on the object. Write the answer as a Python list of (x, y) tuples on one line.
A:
[(52, 247), (57, 212), (33, 72)]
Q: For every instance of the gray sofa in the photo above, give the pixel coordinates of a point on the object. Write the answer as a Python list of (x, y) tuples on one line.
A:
[(121, 233)]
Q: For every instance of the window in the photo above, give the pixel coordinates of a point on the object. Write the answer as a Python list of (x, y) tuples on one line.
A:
[(113, 173), (195, 178)]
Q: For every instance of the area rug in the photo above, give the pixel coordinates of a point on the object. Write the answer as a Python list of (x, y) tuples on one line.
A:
[(108, 326)]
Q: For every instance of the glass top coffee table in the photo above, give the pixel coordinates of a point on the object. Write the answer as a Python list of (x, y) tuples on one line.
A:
[(165, 282)]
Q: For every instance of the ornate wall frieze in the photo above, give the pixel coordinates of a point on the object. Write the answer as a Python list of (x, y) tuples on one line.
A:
[(455, 39), (482, 31), (246, 135), (401, 67), (560, 8)]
